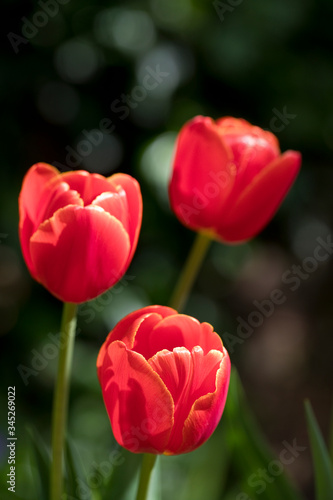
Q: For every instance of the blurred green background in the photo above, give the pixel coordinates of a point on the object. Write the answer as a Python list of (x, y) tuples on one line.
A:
[(72, 70)]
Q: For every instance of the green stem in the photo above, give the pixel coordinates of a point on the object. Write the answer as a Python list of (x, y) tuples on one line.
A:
[(190, 271), (147, 465), (60, 402)]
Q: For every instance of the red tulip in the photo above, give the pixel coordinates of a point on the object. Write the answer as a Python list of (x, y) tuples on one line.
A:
[(229, 177), (164, 378), (78, 231)]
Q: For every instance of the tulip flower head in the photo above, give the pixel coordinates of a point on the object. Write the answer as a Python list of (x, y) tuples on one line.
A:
[(229, 177), (78, 231), (164, 378)]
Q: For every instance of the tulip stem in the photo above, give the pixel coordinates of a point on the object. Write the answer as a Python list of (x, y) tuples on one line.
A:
[(148, 463), (190, 271), (60, 402)]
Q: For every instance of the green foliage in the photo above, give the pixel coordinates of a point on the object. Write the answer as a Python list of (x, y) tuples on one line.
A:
[(320, 456), (254, 461), (41, 456)]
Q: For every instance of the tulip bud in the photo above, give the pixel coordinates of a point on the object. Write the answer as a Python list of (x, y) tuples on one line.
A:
[(78, 231), (164, 379), (229, 177)]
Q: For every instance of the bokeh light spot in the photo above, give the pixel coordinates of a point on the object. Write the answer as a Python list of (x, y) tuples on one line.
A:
[(77, 60), (155, 164), (131, 31), (171, 64)]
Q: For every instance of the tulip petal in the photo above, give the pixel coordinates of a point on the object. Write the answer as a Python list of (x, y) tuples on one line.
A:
[(252, 147), (59, 196), (141, 342), (207, 410), (29, 205), (115, 204), (139, 405), (239, 126), (188, 376), (89, 186), (259, 201), (175, 331), (203, 173), (251, 155), (231, 125), (55, 196), (79, 253), (181, 330), (131, 187), (126, 329), (210, 339), (128, 336), (33, 184)]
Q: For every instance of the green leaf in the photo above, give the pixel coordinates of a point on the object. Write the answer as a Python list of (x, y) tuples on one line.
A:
[(320, 456), (43, 462), (122, 478), (260, 471), (200, 474), (75, 482)]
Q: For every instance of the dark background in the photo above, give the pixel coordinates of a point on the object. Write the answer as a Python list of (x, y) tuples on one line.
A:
[(259, 60)]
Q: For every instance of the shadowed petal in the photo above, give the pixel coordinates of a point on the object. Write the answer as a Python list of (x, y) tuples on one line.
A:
[(33, 184), (207, 410), (251, 155), (188, 376), (115, 204), (29, 205), (126, 329), (203, 173), (139, 405), (175, 369), (89, 186), (175, 331), (259, 201), (182, 330), (60, 196)]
